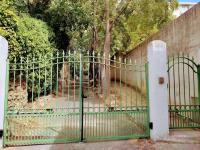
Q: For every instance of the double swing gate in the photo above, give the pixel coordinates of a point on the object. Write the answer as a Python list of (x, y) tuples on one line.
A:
[(59, 99), (184, 92)]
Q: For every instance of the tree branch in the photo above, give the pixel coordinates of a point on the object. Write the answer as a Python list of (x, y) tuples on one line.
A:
[(112, 22)]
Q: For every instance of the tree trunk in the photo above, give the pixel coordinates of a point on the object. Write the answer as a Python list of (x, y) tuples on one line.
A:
[(105, 80), (94, 43)]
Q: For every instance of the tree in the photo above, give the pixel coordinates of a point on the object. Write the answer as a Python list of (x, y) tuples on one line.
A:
[(150, 14), (69, 19), (105, 26)]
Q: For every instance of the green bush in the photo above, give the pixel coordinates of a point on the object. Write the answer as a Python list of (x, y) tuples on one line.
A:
[(28, 38)]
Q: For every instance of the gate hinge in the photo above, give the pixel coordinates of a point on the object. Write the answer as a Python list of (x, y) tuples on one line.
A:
[(151, 125)]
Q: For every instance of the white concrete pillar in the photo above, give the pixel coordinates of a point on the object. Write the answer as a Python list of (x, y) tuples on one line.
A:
[(158, 93), (3, 57)]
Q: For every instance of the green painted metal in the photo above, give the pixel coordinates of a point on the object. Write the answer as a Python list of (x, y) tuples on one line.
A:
[(184, 92), (59, 99), (198, 76), (147, 94), (6, 101), (81, 98)]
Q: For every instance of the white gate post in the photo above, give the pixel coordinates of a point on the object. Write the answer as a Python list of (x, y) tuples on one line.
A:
[(3, 57), (158, 93)]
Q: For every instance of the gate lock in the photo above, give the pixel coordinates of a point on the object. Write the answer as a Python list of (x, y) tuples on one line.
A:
[(161, 80)]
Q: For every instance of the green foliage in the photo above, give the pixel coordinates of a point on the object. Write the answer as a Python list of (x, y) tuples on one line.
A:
[(73, 20), (20, 5), (141, 19), (28, 38), (69, 19), (36, 37), (35, 8), (70, 25), (8, 27), (133, 21)]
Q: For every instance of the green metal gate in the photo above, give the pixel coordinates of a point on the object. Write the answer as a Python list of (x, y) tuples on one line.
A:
[(59, 99), (184, 92)]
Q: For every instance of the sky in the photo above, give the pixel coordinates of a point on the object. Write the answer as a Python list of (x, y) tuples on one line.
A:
[(189, 0)]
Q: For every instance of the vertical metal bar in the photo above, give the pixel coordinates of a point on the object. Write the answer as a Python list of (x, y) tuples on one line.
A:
[(88, 73), (94, 80), (57, 74), (15, 62), (120, 81), (75, 82), (189, 80), (51, 86), (93, 70), (69, 79), (184, 80), (99, 90), (27, 63), (125, 69), (104, 90), (190, 105), (198, 78), (105, 97), (63, 73), (33, 78), (20, 77), (115, 78), (131, 72), (174, 78), (109, 67), (109, 103), (194, 82), (99, 80), (21, 68), (140, 70), (169, 83), (81, 99), (40, 61), (179, 92), (179, 85), (45, 75), (5, 125), (115, 66), (136, 84)]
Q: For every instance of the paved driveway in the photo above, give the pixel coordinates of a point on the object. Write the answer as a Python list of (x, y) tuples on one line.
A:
[(182, 139), (114, 145)]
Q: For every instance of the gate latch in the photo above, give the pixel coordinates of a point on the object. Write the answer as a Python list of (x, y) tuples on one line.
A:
[(151, 125), (83, 96)]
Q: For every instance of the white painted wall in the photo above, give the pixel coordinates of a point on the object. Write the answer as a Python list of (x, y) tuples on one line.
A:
[(158, 93), (3, 57)]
